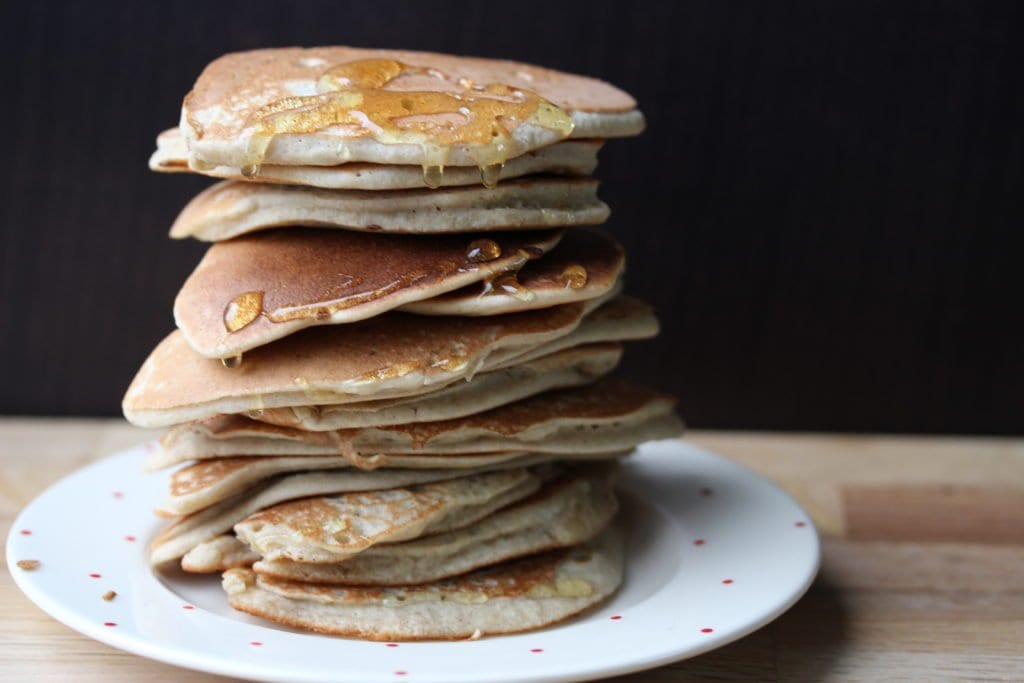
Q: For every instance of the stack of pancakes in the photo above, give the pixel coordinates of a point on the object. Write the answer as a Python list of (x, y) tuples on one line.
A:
[(388, 387)]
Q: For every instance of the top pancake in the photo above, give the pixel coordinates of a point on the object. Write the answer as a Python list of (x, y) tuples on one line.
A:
[(330, 105)]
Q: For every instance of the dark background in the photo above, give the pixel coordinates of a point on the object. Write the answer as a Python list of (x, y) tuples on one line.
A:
[(821, 209)]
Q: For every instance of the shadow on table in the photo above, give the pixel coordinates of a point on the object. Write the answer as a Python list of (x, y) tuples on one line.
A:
[(801, 645)]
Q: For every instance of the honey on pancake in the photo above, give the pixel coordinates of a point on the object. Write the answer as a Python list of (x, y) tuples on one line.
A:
[(334, 300), (509, 284), (242, 310), (490, 175), (574, 276), (389, 372), (483, 250), (344, 440), (353, 98), (232, 362), (433, 175)]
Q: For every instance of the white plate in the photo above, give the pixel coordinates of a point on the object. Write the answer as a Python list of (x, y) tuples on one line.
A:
[(714, 552)]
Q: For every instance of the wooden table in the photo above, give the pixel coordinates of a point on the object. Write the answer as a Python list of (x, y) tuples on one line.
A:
[(922, 575)]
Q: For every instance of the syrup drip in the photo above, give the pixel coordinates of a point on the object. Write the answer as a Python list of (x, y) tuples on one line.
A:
[(574, 276), (352, 99), (344, 441), (510, 285), (242, 310), (490, 175), (433, 175), (482, 251), (232, 362)]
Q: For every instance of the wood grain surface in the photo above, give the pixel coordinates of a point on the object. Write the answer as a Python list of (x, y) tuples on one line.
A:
[(922, 575)]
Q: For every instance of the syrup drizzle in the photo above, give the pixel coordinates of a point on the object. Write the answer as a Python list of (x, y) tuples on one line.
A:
[(352, 98), (482, 251), (509, 284), (574, 276)]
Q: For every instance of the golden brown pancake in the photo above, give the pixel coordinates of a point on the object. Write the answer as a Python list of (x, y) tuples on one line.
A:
[(229, 209), (332, 528), (569, 510), (609, 414), (586, 264), (568, 368), (210, 510), (515, 596), (210, 481), (257, 288), (396, 354)]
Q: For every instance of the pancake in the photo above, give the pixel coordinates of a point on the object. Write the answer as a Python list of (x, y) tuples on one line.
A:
[(397, 354), (390, 356), (517, 596), (229, 209), (568, 368), (333, 528), (252, 290), (201, 485), (210, 510), (621, 318), (214, 479), (586, 264), (609, 414), (217, 555), (570, 157), (330, 105), (566, 512)]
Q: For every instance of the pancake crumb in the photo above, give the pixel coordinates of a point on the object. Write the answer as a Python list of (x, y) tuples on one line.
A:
[(109, 595), (476, 635), (28, 565)]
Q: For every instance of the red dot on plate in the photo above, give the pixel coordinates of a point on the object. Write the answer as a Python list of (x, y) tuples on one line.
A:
[(726, 581), (705, 491), (95, 576), (256, 643), (392, 645), (537, 649), (26, 532), (400, 673), (616, 617), (706, 630), (117, 494), (187, 607), (110, 623), (130, 539), (699, 541), (801, 524)]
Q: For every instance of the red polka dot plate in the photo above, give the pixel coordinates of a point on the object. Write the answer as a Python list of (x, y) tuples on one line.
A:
[(714, 552)]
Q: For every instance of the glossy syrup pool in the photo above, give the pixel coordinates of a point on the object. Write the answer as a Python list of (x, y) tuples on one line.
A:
[(354, 98)]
